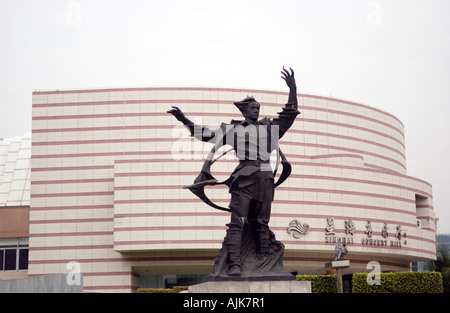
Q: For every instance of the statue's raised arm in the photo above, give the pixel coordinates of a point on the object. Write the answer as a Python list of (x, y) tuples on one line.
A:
[(290, 81), (290, 111)]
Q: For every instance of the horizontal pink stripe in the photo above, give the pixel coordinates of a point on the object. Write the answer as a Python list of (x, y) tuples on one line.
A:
[(77, 234), (367, 167), (101, 128), (72, 194), (303, 132), (73, 220), (158, 228), (72, 207), (428, 218), (165, 201), (314, 121), (364, 169), (332, 178), (424, 206), (80, 247), (91, 274), (123, 115), (179, 214), (294, 242), (166, 242), (296, 189), (141, 127), (72, 181), (73, 168), (162, 259), (94, 274), (282, 215), (321, 230), (126, 259), (194, 258), (206, 101), (317, 203), (354, 139), (100, 154), (80, 260), (229, 115), (292, 143), (97, 154), (103, 141)]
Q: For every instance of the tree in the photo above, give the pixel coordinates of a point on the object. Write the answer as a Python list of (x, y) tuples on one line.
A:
[(442, 265)]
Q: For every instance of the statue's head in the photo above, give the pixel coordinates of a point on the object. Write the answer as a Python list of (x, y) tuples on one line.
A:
[(249, 107)]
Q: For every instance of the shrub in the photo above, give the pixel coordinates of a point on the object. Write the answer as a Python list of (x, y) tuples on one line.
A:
[(400, 282), (360, 285), (320, 283), (419, 282)]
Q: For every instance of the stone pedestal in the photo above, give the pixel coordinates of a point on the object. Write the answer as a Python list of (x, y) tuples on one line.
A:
[(253, 263), (338, 266), (290, 286)]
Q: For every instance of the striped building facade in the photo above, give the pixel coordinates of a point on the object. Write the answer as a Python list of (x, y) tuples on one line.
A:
[(108, 168)]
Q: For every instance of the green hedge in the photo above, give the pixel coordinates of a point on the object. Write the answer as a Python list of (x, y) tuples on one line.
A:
[(320, 283), (399, 282), (175, 289)]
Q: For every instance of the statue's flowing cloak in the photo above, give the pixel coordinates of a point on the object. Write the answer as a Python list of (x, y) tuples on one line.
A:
[(205, 178)]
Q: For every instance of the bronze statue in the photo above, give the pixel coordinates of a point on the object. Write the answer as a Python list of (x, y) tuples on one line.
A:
[(249, 248)]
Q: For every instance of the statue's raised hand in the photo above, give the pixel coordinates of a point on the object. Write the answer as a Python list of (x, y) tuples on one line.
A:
[(177, 113), (289, 77)]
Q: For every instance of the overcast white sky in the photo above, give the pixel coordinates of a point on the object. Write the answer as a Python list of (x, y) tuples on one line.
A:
[(389, 54)]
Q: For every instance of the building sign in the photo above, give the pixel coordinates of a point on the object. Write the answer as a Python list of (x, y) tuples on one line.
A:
[(349, 227), (297, 228), (369, 231), (372, 238), (330, 235), (330, 226), (336, 239)]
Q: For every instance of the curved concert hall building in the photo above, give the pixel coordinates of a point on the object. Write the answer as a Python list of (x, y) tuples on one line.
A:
[(108, 168)]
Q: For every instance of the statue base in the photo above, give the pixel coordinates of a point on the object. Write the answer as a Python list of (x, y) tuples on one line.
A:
[(275, 286), (255, 266), (210, 278)]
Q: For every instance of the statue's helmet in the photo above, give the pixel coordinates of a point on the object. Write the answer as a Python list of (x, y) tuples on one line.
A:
[(241, 104)]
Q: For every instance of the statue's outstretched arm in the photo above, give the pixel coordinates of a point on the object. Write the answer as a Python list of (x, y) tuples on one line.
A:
[(197, 131), (290, 81), (179, 115)]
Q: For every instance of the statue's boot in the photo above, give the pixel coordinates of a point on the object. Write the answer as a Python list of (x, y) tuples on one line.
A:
[(234, 234), (262, 237)]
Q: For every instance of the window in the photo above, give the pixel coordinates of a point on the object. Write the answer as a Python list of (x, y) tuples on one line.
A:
[(422, 211), (10, 259), (13, 254), (23, 259)]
